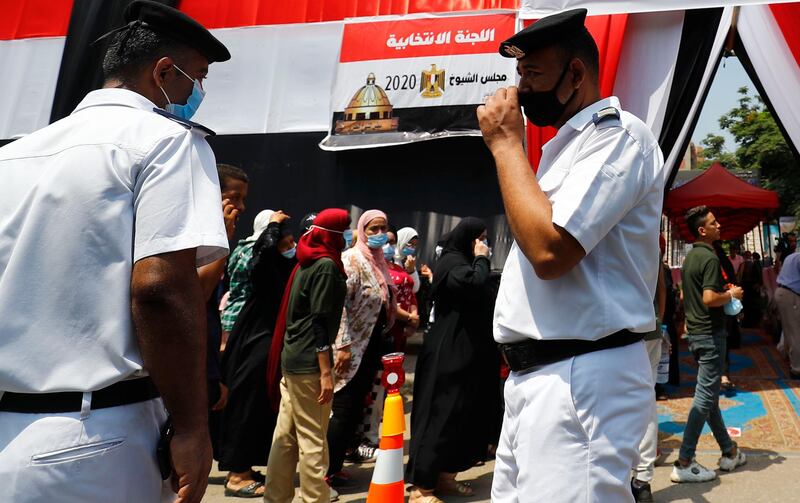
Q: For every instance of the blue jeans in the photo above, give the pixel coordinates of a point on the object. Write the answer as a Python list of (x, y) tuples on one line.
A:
[(709, 352)]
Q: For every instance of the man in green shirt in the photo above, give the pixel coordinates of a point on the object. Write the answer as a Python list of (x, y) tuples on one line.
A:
[(704, 296)]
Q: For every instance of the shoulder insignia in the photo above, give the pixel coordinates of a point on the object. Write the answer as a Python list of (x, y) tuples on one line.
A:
[(605, 114), (184, 122)]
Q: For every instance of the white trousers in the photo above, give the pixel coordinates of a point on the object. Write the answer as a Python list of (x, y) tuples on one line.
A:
[(648, 449), (572, 429), (108, 455)]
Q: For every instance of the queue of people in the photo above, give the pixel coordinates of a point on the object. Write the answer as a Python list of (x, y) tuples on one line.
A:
[(135, 389), (329, 355)]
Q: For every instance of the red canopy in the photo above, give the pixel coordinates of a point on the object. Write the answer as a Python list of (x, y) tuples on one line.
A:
[(737, 205)]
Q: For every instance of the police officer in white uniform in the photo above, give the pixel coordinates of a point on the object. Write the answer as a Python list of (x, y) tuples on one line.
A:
[(577, 288), (104, 216)]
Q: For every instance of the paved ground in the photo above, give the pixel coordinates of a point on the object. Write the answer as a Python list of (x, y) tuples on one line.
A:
[(766, 478), (765, 406)]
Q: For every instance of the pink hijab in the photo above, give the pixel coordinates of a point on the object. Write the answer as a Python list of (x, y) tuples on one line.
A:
[(377, 261)]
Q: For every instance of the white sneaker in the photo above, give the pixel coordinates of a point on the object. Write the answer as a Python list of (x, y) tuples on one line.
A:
[(367, 451), (695, 472), (729, 464), (334, 494)]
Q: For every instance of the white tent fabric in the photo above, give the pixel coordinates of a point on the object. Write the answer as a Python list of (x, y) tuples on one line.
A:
[(534, 9), (279, 79), (30, 68), (774, 64), (643, 82)]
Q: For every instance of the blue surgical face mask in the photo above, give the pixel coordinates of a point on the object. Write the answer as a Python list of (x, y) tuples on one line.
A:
[(188, 110), (348, 237), (388, 251), (409, 251), (290, 253), (377, 240)]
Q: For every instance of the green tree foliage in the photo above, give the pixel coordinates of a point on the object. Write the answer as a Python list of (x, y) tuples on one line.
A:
[(760, 145), (714, 150)]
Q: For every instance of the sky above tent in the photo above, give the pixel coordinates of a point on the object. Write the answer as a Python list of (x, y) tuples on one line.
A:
[(722, 97)]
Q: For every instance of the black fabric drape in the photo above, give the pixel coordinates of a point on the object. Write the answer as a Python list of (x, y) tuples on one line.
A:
[(81, 65), (417, 185), (697, 40)]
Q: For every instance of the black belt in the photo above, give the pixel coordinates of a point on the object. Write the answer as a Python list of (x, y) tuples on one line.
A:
[(787, 288), (121, 393), (522, 356)]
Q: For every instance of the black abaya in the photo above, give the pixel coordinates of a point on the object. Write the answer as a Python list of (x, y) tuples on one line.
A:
[(456, 384), (247, 419)]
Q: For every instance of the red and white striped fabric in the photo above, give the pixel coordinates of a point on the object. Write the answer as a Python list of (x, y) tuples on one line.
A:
[(771, 37), (32, 36), (284, 57), (534, 9), (638, 56)]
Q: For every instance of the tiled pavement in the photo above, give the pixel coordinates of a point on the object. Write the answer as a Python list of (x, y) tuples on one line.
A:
[(765, 406)]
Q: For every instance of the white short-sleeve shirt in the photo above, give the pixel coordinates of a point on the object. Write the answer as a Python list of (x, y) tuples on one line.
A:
[(80, 201), (605, 181)]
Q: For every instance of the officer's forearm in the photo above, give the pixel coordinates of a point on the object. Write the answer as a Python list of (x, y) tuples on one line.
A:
[(170, 327), (549, 248)]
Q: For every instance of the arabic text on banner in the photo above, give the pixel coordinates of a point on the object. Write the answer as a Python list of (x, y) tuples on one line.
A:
[(412, 79)]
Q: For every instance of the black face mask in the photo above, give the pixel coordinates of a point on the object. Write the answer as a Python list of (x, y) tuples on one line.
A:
[(542, 108)]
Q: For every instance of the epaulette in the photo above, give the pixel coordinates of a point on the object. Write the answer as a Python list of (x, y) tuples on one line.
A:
[(605, 114), (184, 122)]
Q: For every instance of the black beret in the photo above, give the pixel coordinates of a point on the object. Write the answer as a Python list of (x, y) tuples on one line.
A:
[(544, 32), (177, 25)]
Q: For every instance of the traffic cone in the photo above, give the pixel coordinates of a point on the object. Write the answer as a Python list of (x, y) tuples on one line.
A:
[(387, 478)]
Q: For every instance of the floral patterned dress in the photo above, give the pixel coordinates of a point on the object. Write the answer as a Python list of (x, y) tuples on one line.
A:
[(362, 306)]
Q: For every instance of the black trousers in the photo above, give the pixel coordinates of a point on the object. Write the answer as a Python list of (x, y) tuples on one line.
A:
[(348, 404)]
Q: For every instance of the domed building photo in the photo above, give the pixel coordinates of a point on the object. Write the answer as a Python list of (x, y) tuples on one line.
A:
[(369, 111)]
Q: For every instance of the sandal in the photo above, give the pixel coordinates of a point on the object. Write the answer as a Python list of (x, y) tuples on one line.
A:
[(455, 488), (417, 496), (248, 491), (217, 480), (258, 476), (425, 499)]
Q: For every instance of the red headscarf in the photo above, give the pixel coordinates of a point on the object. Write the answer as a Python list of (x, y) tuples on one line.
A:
[(324, 239)]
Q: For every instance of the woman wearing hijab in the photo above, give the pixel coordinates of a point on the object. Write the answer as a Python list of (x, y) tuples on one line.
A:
[(395, 252), (370, 309), (239, 274), (308, 321), (406, 323), (406, 253), (247, 420), (456, 385)]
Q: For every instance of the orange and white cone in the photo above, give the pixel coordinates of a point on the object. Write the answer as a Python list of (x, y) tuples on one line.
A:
[(387, 479)]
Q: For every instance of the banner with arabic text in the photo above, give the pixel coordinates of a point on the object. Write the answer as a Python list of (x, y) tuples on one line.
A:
[(413, 78)]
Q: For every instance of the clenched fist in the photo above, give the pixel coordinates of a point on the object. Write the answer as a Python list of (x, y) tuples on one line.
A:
[(500, 119)]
